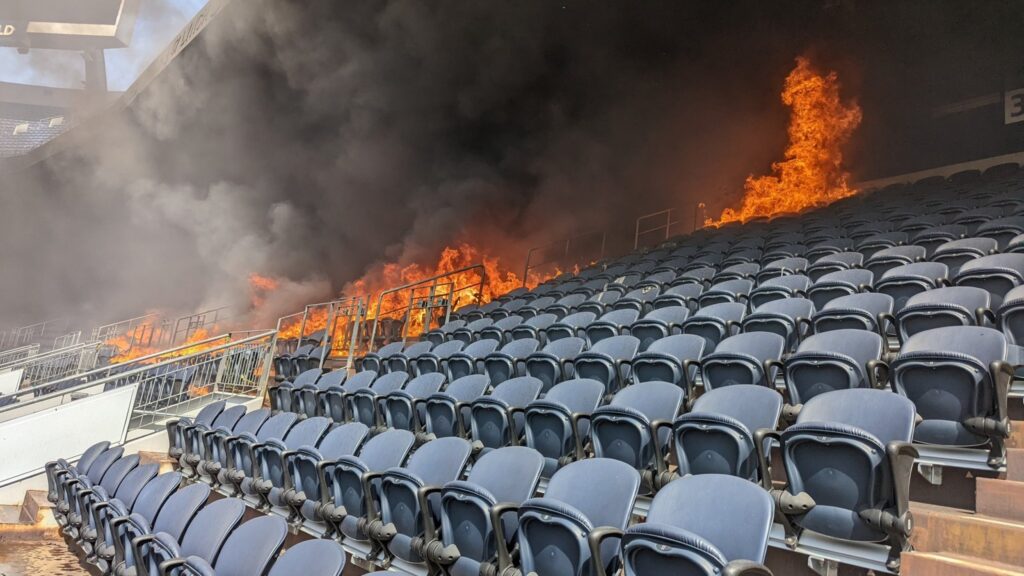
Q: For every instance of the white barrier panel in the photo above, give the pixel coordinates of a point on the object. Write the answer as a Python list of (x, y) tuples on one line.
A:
[(9, 381), (66, 431)]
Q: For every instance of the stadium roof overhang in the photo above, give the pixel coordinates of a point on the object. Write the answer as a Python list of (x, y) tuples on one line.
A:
[(67, 24)]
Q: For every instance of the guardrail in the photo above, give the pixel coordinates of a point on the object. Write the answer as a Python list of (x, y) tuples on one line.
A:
[(440, 292), (666, 227), (569, 249), (131, 403), (184, 364), (339, 320), (16, 355), (54, 365)]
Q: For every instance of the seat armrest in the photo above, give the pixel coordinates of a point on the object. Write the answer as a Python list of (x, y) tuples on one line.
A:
[(746, 568), (497, 512), (594, 540)]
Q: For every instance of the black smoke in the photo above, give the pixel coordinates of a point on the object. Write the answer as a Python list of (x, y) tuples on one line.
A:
[(312, 140)]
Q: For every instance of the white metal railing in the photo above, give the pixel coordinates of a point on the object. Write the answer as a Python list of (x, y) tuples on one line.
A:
[(15, 355), (54, 365)]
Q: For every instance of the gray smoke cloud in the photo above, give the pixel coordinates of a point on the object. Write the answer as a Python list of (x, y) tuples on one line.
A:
[(312, 141)]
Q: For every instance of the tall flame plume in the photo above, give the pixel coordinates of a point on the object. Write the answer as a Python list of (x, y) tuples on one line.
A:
[(812, 173)]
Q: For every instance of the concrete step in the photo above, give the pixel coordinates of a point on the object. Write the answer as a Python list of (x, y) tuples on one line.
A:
[(161, 458), (1015, 464), (1001, 499), (929, 564), (944, 530), (36, 509)]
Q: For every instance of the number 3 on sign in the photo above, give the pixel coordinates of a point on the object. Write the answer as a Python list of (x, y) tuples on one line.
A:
[(1015, 106)]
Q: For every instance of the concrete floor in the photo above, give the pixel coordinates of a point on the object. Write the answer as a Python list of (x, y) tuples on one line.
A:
[(38, 558)]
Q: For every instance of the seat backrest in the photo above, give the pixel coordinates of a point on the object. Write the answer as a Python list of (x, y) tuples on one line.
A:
[(316, 557), (425, 385), (153, 495), (176, 514), (680, 346), (277, 426), (209, 413), (860, 345), (117, 472), (309, 377), (754, 406), (733, 514), (448, 348), (511, 473), (251, 422), (655, 400), (229, 417), (672, 315), (102, 463), (390, 382), (343, 440), (90, 454), (760, 345), (618, 347), (542, 321), (986, 345), (360, 380), (252, 547), (565, 348), (604, 490), (724, 312), (480, 348), (518, 391), (307, 432), (468, 388), (887, 416), (211, 526), (134, 482), (580, 395), (440, 461), (521, 348), (387, 449)]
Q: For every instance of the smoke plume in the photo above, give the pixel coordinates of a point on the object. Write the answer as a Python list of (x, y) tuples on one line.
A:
[(313, 141)]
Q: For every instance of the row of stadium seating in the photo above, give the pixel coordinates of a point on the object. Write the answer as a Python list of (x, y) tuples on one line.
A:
[(127, 519)]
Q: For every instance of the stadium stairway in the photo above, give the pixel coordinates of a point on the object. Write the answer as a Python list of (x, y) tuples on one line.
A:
[(982, 542)]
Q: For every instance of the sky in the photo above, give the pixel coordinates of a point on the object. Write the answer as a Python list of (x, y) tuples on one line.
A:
[(158, 22)]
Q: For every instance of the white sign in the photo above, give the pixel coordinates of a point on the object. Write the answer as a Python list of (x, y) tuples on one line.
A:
[(7, 30), (1015, 106), (9, 381)]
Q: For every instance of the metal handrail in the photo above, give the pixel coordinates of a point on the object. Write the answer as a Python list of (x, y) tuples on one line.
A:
[(432, 281), (566, 251), (119, 366), (22, 353), (49, 354), (136, 371), (667, 226)]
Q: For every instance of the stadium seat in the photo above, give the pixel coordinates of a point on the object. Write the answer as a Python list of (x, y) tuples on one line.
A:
[(834, 262), (250, 549), (214, 455), (958, 378), (865, 311), (838, 284), (862, 437), (397, 526), (558, 425), (363, 403), (717, 435), (302, 486), (88, 528), (344, 498), (574, 528), (953, 306), (729, 291), (902, 282), (282, 396), (334, 402), (443, 334), (470, 359), (109, 515), (958, 252), (554, 362), (447, 412), (834, 360), (193, 448), (269, 467), (716, 322), (497, 419), (1011, 316), (499, 331), (498, 481), (311, 558), (309, 400), (175, 428), (375, 361), (404, 361), (160, 552), (635, 428), (741, 359), (534, 327), (791, 286), (708, 525), (608, 361), (998, 273), (239, 471), (789, 318), (659, 323), (684, 295), (510, 361), (403, 409), (437, 359)]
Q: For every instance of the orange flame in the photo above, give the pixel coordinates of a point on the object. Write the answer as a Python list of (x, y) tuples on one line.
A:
[(812, 173), (138, 343), (259, 287)]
